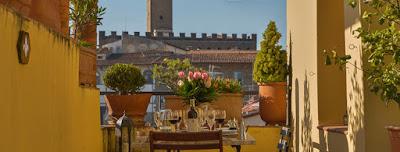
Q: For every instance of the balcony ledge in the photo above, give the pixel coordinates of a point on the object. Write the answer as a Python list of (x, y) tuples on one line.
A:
[(338, 128)]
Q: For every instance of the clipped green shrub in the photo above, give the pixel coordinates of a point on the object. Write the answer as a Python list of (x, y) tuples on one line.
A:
[(270, 64), (124, 78)]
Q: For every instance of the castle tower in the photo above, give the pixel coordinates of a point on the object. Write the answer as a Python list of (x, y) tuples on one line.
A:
[(159, 15)]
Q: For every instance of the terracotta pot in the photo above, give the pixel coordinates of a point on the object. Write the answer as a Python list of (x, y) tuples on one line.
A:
[(231, 103), (394, 136), (175, 103), (273, 102), (135, 106)]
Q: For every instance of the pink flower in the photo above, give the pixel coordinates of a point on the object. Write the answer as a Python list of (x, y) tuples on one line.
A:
[(190, 75), (197, 75), (181, 74), (204, 76)]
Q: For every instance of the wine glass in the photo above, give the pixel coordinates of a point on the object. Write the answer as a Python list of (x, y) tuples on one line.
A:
[(172, 117), (157, 119), (220, 116), (179, 114), (210, 117)]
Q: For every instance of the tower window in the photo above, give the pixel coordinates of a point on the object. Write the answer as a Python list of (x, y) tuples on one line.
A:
[(161, 17)]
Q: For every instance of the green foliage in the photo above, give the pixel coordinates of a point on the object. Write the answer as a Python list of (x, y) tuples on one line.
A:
[(124, 78), (166, 73), (200, 87), (82, 14), (340, 61), (228, 86), (270, 64), (382, 46)]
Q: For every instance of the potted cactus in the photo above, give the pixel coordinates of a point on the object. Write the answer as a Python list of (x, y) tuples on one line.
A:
[(270, 71), (126, 80)]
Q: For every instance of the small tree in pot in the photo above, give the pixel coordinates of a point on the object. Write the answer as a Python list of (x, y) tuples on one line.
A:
[(270, 71), (166, 73), (126, 80)]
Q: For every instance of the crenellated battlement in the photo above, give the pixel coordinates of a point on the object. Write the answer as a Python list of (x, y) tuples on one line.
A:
[(178, 36)]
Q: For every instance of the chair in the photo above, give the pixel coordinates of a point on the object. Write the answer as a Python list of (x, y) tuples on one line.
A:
[(186, 140)]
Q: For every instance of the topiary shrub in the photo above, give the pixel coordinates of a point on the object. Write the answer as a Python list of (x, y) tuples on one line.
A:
[(270, 64), (124, 78)]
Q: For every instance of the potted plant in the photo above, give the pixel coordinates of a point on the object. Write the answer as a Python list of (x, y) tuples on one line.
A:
[(84, 16), (126, 80), (270, 71), (230, 98), (166, 74)]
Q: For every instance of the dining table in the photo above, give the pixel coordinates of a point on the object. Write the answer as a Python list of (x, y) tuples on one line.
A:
[(235, 141)]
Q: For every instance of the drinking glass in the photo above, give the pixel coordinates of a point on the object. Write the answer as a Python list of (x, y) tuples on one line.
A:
[(220, 116), (179, 114), (201, 117), (210, 117), (172, 117)]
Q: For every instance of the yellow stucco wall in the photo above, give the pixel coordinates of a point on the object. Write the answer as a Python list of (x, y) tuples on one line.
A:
[(302, 41), (354, 81), (331, 80), (42, 106), (368, 115), (319, 91), (330, 24)]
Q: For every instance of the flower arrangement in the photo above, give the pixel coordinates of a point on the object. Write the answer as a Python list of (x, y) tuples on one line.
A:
[(196, 85), (226, 85)]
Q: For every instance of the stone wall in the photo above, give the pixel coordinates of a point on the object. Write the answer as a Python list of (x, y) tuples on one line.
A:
[(192, 42)]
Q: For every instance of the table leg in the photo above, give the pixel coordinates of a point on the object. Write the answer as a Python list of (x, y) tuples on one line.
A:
[(237, 147)]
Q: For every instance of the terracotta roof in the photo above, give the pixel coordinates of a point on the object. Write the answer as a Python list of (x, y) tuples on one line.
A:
[(252, 105), (209, 56), (223, 56)]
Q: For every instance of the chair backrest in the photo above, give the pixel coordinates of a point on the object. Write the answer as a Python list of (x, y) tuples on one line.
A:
[(186, 140)]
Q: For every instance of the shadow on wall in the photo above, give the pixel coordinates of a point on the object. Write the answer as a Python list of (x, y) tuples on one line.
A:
[(297, 100), (356, 110), (306, 122)]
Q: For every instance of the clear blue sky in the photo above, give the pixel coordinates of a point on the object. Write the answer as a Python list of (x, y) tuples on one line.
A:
[(200, 16)]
